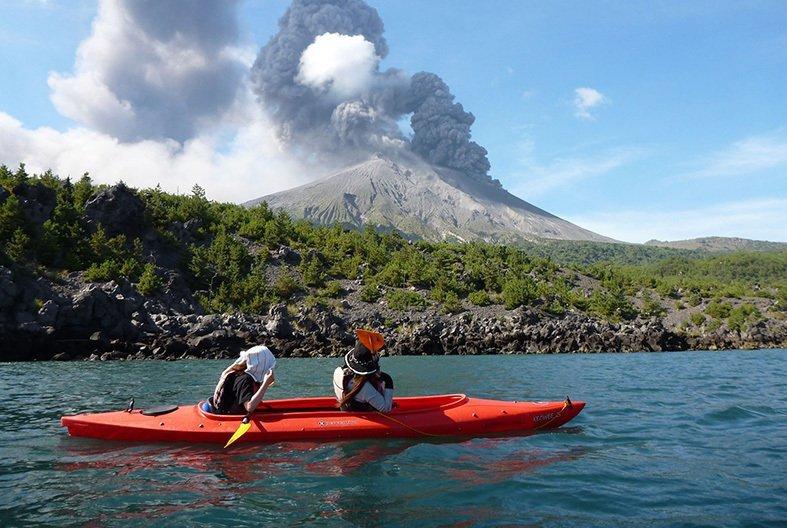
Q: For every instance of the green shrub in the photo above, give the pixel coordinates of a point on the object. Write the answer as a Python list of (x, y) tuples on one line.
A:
[(333, 289), (313, 271), (713, 325), (149, 281), (697, 318), (652, 307), (718, 310), (18, 248), (694, 299), (479, 298), (667, 290), (742, 316), (11, 217), (405, 299), (370, 293), (285, 286), (519, 292), (103, 272), (451, 303), (612, 304)]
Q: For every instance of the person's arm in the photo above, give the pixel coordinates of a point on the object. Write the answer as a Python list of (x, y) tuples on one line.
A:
[(255, 400), (381, 402)]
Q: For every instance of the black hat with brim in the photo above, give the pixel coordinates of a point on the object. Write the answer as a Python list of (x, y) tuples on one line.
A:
[(361, 360)]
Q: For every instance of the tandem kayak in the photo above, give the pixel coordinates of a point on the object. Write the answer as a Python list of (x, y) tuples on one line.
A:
[(318, 419)]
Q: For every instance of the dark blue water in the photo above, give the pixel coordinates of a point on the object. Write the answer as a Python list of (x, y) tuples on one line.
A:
[(672, 439)]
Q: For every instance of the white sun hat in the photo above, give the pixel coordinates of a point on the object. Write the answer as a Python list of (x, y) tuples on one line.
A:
[(260, 361)]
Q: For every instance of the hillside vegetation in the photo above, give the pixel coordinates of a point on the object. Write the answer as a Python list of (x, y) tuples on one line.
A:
[(224, 250)]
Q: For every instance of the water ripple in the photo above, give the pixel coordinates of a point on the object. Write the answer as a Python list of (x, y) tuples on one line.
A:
[(678, 439)]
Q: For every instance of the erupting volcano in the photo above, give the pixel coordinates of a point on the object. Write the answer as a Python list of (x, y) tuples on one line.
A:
[(319, 78)]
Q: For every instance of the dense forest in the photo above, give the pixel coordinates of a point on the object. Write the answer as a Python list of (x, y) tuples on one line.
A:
[(224, 251)]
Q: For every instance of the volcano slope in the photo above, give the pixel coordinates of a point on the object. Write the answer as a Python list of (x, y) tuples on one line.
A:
[(405, 193)]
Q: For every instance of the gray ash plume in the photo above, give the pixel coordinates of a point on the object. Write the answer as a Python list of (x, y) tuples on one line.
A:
[(362, 118)]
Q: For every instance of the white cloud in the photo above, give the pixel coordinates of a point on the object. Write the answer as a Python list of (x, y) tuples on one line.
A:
[(153, 70), (764, 219), (247, 165), (343, 65), (538, 179), (145, 76), (586, 99), (745, 157)]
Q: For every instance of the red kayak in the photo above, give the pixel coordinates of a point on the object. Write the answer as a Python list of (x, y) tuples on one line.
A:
[(318, 419)]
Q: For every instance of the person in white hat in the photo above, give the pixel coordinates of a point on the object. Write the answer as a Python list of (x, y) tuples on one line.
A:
[(242, 385)]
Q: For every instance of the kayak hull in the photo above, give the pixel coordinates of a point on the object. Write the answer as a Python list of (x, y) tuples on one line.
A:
[(317, 419)]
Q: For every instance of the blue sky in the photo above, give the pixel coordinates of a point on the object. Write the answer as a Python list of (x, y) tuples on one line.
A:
[(679, 127)]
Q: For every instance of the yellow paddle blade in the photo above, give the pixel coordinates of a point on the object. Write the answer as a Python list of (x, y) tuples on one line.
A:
[(242, 428), (371, 340)]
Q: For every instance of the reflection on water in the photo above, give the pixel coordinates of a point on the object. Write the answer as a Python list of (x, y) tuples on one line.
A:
[(648, 449)]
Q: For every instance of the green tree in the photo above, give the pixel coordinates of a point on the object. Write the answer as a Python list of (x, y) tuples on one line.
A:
[(11, 217), (519, 292), (149, 281), (83, 191), (18, 247), (479, 298), (405, 300)]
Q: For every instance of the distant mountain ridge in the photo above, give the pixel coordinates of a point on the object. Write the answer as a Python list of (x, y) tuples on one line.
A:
[(407, 194), (720, 244)]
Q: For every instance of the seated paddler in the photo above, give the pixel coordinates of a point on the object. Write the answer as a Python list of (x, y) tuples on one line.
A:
[(359, 384), (242, 385)]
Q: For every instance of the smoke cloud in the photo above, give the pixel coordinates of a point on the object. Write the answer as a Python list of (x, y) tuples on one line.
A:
[(161, 96), (164, 93), (319, 79), (153, 70), (341, 65)]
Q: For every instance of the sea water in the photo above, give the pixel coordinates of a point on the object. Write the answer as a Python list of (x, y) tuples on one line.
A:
[(666, 439)]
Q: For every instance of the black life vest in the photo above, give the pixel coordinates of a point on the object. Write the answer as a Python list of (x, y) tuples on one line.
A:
[(227, 401), (347, 386)]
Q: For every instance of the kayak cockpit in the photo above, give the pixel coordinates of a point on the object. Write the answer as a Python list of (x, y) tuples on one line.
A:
[(323, 405)]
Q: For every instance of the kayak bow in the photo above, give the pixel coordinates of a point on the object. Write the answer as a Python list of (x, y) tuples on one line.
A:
[(318, 419)]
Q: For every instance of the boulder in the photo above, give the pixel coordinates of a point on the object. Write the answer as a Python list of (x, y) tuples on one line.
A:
[(8, 289), (278, 324), (288, 255), (37, 201), (47, 315), (118, 209)]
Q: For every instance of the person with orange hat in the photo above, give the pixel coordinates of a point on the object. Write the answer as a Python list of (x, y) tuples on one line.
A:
[(359, 384)]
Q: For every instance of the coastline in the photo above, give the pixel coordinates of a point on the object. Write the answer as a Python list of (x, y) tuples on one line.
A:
[(112, 273), (112, 321)]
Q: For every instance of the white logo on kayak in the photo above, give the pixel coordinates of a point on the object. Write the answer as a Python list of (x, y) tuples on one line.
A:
[(544, 417), (340, 423)]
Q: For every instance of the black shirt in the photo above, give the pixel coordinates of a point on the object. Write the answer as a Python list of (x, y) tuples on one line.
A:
[(238, 389)]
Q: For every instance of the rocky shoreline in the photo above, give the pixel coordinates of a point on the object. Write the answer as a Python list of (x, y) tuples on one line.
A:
[(113, 321), (48, 314)]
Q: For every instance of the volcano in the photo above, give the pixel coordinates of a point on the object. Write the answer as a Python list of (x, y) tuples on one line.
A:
[(420, 200)]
